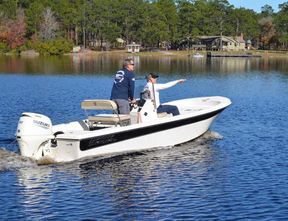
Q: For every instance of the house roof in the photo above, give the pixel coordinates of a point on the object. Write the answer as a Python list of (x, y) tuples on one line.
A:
[(120, 40), (224, 38)]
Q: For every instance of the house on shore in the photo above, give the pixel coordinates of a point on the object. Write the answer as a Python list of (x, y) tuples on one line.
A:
[(133, 48), (224, 43)]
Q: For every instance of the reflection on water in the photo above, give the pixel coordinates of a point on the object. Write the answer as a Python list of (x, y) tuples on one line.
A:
[(150, 162), (37, 190), (114, 186), (108, 63), (121, 183)]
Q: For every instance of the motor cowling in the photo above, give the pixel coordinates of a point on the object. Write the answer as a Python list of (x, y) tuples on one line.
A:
[(33, 131)]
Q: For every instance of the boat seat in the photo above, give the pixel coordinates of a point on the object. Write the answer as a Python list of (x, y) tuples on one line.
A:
[(110, 119)]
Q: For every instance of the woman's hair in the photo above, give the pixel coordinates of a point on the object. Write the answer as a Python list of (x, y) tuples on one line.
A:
[(151, 75)]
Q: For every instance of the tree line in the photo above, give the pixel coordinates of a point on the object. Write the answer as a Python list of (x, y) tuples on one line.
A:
[(56, 25)]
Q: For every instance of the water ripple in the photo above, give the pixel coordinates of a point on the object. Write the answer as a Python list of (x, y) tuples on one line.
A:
[(240, 174)]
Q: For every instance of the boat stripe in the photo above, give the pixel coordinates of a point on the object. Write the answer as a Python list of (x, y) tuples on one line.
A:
[(94, 142)]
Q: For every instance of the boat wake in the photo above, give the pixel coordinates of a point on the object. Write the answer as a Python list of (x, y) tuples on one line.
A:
[(211, 135), (10, 161)]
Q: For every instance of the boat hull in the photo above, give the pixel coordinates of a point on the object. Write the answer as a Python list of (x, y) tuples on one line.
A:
[(76, 140), (137, 139)]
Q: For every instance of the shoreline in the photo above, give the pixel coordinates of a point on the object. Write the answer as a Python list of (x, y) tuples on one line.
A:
[(181, 53), (176, 53)]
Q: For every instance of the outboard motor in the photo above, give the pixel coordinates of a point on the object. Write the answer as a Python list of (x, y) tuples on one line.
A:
[(33, 131)]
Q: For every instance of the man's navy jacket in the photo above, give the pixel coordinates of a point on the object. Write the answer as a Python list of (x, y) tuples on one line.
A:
[(123, 86)]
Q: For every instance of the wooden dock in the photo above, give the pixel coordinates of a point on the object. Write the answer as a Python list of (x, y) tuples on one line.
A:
[(233, 55)]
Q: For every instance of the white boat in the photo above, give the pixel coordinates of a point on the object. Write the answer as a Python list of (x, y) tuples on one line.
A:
[(103, 134), (198, 55)]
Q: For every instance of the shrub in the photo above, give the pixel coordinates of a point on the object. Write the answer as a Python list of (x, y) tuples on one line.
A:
[(28, 46), (54, 47), (3, 47)]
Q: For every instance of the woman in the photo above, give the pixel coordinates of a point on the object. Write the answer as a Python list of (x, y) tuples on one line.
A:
[(154, 89)]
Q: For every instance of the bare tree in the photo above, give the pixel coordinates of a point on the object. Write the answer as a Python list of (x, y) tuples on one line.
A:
[(49, 25), (267, 30)]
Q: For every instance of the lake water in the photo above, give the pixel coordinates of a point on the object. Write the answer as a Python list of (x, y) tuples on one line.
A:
[(237, 171)]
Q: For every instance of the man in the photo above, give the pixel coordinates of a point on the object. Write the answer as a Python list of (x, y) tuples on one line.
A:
[(154, 89), (123, 87)]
